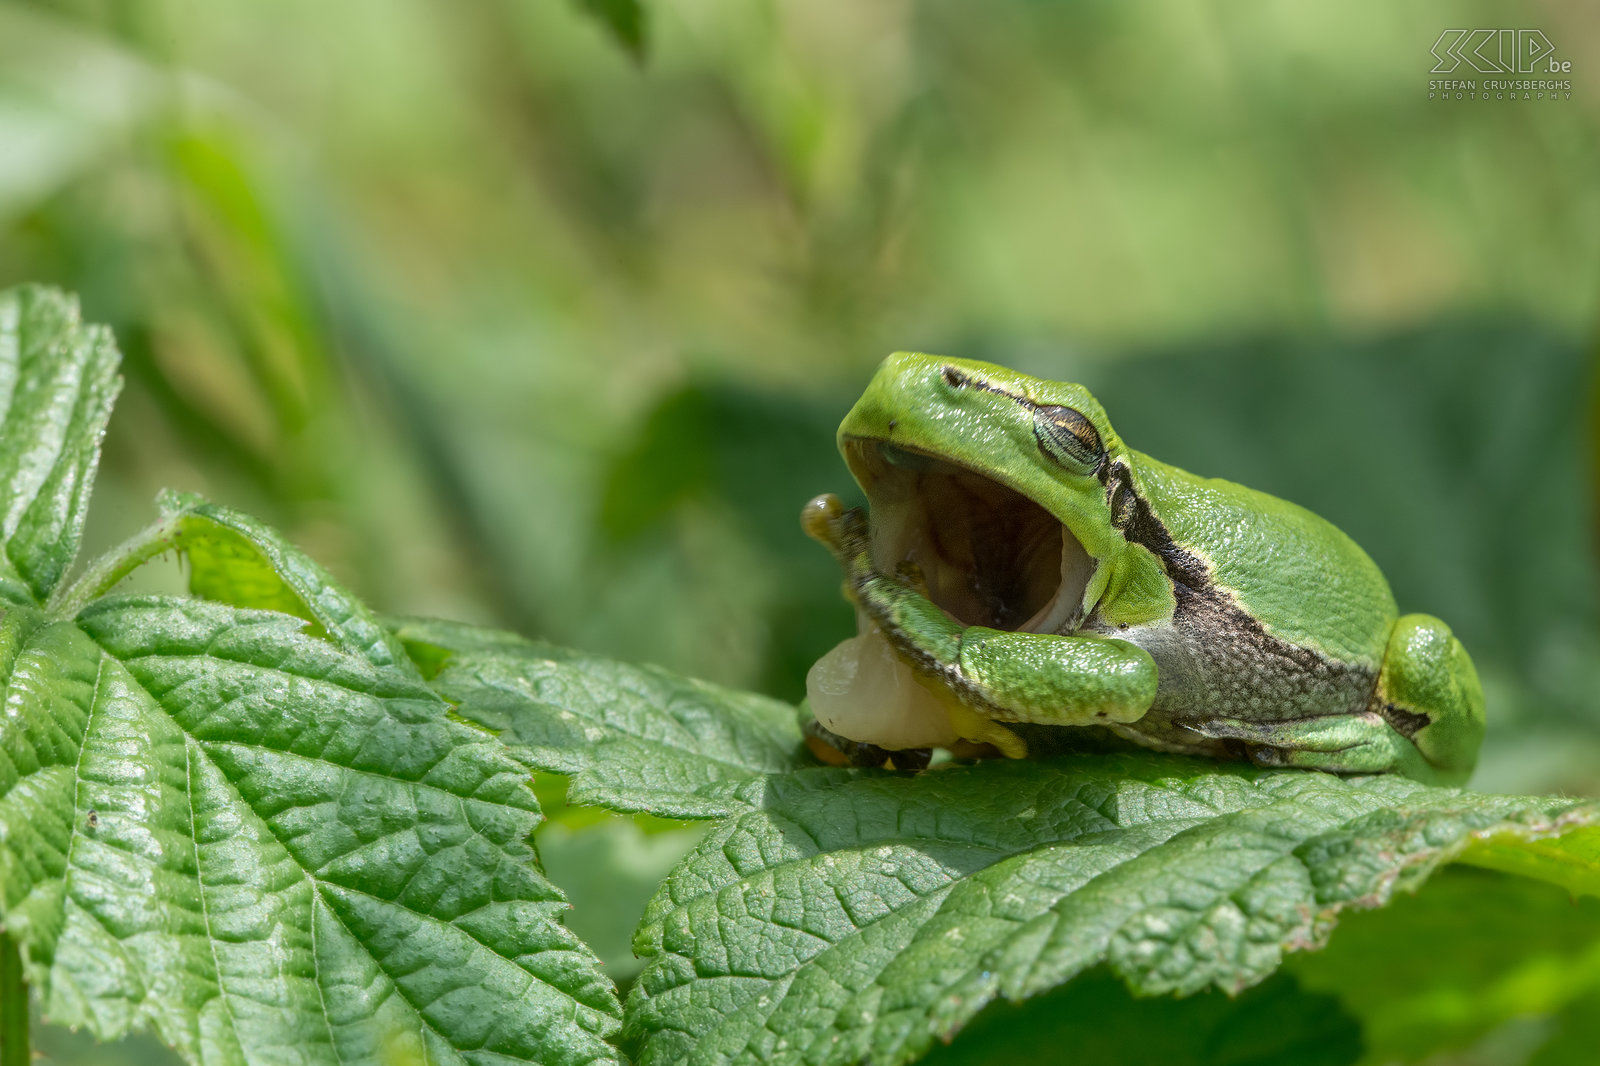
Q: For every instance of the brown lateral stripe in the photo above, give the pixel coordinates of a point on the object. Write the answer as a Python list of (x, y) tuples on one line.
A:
[(1131, 513)]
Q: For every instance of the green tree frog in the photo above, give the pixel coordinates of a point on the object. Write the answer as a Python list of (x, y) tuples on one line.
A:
[(1019, 566)]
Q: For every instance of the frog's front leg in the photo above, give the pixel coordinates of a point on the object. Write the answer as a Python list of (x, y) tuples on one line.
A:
[(1425, 719), (987, 676)]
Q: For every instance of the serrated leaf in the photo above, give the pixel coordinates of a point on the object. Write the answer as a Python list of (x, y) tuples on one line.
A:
[(238, 560), (266, 848), (852, 915), (432, 642), (58, 380), (632, 738)]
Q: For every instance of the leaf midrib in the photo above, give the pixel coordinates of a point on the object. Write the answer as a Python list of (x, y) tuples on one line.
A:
[(73, 835), (318, 884), (315, 882), (200, 882)]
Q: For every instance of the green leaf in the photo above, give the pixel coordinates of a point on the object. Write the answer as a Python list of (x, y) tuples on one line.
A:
[(632, 738), (58, 380), (247, 825), (431, 642), (609, 868), (1440, 970), (625, 19), (263, 847), (1271, 1024), (1576, 1035), (852, 915), (237, 560)]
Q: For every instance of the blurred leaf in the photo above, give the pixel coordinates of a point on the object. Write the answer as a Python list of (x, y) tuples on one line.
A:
[(58, 380), (766, 451), (609, 869), (1473, 950), (252, 287), (625, 19), (632, 738), (55, 1045), (69, 97), (1094, 1019), (754, 455), (670, 461), (854, 914), (1577, 1034)]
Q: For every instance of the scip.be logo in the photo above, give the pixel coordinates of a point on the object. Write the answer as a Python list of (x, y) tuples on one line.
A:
[(1497, 52)]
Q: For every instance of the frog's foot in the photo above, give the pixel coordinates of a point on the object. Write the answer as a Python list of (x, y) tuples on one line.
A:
[(829, 747), (1341, 743), (1429, 691)]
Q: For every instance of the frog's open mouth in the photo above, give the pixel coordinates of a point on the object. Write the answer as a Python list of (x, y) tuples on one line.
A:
[(986, 554), (981, 551)]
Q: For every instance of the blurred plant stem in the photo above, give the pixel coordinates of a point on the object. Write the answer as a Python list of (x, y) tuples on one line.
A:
[(14, 1050)]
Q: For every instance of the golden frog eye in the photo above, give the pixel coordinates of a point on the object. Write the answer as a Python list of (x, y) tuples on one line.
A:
[(1069, 438)]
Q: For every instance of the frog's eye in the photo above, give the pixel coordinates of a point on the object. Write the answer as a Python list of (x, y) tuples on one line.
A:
[(1069, 438)]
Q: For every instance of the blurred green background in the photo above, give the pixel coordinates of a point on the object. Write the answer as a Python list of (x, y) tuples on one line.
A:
[(508, 317)]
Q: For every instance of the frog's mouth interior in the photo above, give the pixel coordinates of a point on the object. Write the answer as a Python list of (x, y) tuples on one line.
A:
[(986, 554)]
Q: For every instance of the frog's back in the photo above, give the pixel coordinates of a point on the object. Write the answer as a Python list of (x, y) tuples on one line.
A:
[(1293, 571), (1278, 616)]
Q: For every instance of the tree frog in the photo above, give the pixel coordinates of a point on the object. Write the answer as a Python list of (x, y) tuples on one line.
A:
[(1019, 566)]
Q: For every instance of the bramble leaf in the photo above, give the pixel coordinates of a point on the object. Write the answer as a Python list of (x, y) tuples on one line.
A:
[(851, 915), (632, 738), (261, 846), (238, 560), (58, 380), (248, 826)]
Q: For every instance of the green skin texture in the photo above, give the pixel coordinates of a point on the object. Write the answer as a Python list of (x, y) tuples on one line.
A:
[(1218, 620)]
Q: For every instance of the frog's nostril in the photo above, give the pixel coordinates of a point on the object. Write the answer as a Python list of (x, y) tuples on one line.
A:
[(955, 378)]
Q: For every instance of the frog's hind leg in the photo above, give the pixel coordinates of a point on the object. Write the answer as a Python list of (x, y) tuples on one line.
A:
[(1341, 743), (1429, 691), (1425, 719)]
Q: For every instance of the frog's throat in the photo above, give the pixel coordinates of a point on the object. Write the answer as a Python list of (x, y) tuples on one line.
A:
[(982, 552)]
